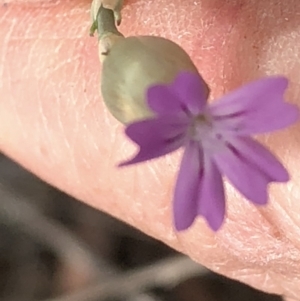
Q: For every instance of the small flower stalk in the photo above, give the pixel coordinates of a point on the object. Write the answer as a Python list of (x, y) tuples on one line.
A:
[(217, 141)]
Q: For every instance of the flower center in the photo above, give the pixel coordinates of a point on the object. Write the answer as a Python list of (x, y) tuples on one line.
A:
[(201, 126), (203, 130)]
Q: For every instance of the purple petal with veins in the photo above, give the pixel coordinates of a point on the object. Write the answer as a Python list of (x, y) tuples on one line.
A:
[(211, 197), (186, 189), (156, 137), (256, 94), (261, 157), (245, 176), (191, 89), (255, 108), (188, 93), (162, 100)]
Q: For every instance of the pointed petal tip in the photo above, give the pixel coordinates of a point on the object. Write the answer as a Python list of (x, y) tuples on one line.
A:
[(140, 157), (261, 202), (281, 80), (181, 225), (260, 199), (295, 113), (128, 162), (282, 177), (215, 222), (180, 228), (214, 226), (291, 113), (122, 164)]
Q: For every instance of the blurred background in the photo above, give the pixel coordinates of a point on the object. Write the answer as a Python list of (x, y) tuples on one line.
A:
[(54, 248)]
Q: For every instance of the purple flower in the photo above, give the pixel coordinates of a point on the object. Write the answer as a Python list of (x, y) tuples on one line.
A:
[(217, 142)]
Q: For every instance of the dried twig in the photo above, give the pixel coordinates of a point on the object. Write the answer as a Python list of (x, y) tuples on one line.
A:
[(166, 273), (67, 246)]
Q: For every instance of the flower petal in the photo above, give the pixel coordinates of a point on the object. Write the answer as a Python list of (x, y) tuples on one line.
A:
[(187, 92), (192, 91), (156, 137), (186, 190), (244, 175), (254, 94), (262, 158), (211, 199), (163, 101), (257, 107), (267, 120), (264, 120)]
